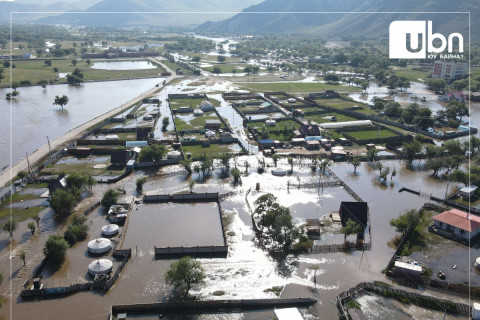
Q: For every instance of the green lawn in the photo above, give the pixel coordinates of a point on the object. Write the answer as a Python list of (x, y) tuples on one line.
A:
[(345, 104), (412, 75), (319, 118), (19, 214), (195, 123), (296, 87), (280, 125), (36, 70), (191, 103), (86, 168), (214, 149), (371, 134)]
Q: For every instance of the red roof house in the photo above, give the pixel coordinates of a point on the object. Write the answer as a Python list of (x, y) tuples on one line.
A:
[(460, 223)]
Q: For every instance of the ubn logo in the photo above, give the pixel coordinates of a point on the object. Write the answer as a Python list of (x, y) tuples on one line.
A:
[(407, 40)]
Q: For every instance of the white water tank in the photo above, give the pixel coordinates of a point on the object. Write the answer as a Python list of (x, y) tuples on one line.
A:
[(100, 266), (270, 123), (110, 230), (279, 172), (174, 155), (477, 263), (111, 137), (99, 246)]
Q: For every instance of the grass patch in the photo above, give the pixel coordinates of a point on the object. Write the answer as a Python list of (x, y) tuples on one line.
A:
[(276, 289), (371, 134), (40, 185), (214, 149), (412, 75), (297, 87), (345, 104), (319, 118), (85, 168), (381, 284), (352, 304), (20, 214), (227, 68), (175, 104), (128, 136), (37, 70), (195, 123)]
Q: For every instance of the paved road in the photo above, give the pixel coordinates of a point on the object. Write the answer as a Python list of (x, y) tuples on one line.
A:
[(73, 134)]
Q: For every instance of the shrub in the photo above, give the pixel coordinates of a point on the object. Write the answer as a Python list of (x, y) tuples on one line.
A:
[(109, 197), (55, 249)]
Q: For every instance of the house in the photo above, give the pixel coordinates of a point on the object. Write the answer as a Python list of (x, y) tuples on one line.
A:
[(213, 124), (468, 191), (59, 182), (459, 223), (357, 211), (310, 130)]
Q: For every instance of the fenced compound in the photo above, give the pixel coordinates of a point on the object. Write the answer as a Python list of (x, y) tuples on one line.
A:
[(100, 283), (415, 298)]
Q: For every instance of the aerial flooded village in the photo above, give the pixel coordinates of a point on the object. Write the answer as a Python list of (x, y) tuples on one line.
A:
[(235, 167)]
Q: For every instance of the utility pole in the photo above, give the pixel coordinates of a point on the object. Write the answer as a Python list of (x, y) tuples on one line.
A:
[(49, 147), (28, 164)]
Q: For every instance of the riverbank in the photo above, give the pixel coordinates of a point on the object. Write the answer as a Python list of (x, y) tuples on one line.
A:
[(73, 134)]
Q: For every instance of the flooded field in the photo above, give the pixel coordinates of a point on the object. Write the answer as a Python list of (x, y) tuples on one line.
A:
[(174, 225), (123, 65), (28, 119)]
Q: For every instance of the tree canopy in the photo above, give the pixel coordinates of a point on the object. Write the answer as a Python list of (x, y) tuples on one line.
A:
[(55, 249), (185, 274)]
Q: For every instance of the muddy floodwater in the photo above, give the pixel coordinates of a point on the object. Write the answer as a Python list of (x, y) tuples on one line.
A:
[(174, 225), (247, 271), (28, 119)]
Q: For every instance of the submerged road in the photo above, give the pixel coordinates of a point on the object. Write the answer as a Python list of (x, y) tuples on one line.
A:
[(75, 133)]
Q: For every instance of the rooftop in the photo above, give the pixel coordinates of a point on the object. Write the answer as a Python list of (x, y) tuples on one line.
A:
[(459, 219)]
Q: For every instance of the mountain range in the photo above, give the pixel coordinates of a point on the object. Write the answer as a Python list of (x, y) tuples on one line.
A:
[(271, 16)]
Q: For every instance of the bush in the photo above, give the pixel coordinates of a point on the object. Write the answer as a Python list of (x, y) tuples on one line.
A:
[(77, 231), (109, 197), (55, 249), (140, 183), (62, 201)]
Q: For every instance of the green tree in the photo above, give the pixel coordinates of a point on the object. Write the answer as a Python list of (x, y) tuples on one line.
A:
[(165, 123), (196, 59), (153, 152), (60, 101), (217, 70), (140, 182), (410, 150), (372, 155), (55, 249), (10, 226), (331, 77), (76, 231), (62, 201), (435, 164), (355, 162), (48, 62), (460, 176), (88, 61), (324, 164), (275, 159), (185, 274), (236, 175), (22, 255), (290, 162), (74, 62), (351, 227), (405, 221), (221, 59), (187, 165), (191, 184), (36, 217), (109, 198), (76, 77), (31, 226)]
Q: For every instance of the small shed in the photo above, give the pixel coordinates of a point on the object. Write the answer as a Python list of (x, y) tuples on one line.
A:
[(313, 145), (213, 124), (130, 165), (298, 141), (357, 211), (468, 191), (288, 314), (412, 272), (266, 143), (476, 311)]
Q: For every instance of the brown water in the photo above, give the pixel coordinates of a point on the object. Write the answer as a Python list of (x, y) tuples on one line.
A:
[(247, 271), (28, 119)]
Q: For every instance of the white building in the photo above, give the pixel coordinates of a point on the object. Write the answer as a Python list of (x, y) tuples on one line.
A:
[(458, 222), (449, 70)]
